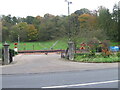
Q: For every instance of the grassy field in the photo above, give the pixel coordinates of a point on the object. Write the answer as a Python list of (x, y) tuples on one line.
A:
[(62, 44), (40, 45)]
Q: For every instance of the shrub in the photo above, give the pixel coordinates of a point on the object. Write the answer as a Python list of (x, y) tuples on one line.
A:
[(92, 53), (12, 52), (118, 54), (97, 59), (106, 52)]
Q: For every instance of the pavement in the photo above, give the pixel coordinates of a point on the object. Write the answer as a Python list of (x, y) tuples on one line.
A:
[(41, 63)]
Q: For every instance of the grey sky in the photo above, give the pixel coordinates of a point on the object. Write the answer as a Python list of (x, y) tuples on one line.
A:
[(23, 8)]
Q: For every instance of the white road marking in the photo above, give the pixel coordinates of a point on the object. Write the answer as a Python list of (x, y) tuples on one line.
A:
[(84, 84)]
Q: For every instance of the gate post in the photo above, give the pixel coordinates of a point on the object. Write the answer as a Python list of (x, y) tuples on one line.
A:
[(71, 50), (6, 54)]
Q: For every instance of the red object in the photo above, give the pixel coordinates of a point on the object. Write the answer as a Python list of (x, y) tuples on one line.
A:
[(15, 43), (24, 43), (82, 47), (15, 47)]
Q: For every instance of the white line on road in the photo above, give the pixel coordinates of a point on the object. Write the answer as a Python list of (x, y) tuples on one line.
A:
[(84, 84)]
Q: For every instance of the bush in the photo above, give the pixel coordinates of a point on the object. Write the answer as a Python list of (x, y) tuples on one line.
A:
[(12, 52), (83, 55), (118, 54), (92, 53), (106, 53), (97, 59)]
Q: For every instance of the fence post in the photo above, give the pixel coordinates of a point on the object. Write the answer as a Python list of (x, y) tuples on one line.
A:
[(71, 50), (6, 54)]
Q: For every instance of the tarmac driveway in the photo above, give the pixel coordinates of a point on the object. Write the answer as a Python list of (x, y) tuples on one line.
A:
[(41, 63)]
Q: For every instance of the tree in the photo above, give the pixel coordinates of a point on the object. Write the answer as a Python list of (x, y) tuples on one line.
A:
[(46, 29), (89, 27), (82, 23), (6, 27), (32, 33), (107, 23), (87, 21), (21, 30), (82, 11), (116, 22), (119, 21), (48, 16), (29, 19), (74, 27), (15, 20)]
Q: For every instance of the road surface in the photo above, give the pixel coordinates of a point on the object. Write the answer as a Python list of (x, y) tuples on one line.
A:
[(49, 71), (42, 63), (104, 78)]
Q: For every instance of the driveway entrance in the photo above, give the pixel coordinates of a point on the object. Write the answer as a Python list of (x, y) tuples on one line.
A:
[(41, 63)]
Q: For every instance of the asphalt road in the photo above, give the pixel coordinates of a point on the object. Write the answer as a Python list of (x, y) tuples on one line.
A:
[(41, 63), (102, 78), (50, 71)]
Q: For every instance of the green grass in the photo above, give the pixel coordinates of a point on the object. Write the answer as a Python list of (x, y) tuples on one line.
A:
[(97, 59), (114, 43), (40, 45), (62, 44)]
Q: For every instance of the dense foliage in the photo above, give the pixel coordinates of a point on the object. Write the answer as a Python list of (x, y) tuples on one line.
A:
[(97, 57), (83, 23)]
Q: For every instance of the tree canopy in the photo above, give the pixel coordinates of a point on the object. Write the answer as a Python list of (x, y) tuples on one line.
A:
[(82, 23)]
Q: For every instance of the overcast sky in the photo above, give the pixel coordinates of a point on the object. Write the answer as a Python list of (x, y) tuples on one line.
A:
[(23, 8)]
